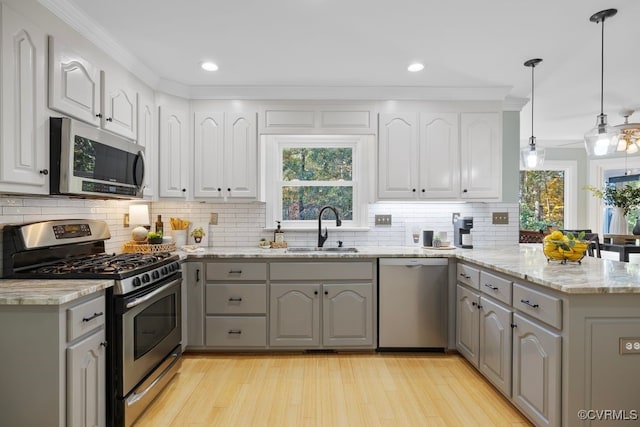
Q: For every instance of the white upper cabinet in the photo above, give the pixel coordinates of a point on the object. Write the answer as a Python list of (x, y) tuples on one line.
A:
[(398, 156), (118, 105), (173, 151), (24, 152), (147, 138), (225, 155), (439, 156), (481, 156), (74, 84)]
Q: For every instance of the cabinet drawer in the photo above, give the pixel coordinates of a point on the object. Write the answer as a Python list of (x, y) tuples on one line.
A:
[(539, 305), (236, 298), (321, 270), (236, 331), (236, 271), (468, 275), (85, 317), (496, 287)]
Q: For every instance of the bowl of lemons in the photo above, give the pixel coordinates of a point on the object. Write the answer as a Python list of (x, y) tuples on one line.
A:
[(565, 247)]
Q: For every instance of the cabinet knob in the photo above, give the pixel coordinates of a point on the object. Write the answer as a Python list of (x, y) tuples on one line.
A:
[(103, 344), (326, 292), (513, 325), (184, 190), (474, 303), (219, 189), (423, 190), (99, 115), (464, 191), (413, 190), (228, 189), (315, 292), (44, 172), (109, 119)]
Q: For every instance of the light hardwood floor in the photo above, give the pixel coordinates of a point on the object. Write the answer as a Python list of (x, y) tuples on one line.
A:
[(385, 389)]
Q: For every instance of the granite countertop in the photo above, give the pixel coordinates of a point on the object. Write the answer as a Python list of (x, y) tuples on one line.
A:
[(526, 262), (48, 292)]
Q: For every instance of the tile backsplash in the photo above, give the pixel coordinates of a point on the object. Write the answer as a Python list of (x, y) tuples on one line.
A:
[(242, 224)]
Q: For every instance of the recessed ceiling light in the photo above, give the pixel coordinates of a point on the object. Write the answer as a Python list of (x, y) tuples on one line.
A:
[(209, 66), (415, 67)]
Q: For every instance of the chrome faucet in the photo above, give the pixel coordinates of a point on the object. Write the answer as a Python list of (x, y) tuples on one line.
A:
[(322, 238)]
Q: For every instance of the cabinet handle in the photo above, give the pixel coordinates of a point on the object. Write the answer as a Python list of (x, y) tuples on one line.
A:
[(235, 271), (490, 286), (235, 299), (99, 115), (197, 275), (234, 332), (109, 119), (44, 172), (529, 303), (90, 318), (465, 276)]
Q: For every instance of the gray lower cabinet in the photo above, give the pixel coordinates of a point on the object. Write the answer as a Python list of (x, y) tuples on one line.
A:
[(483, 336), (331, 315), (235, 305), (536, 371), (55, 365), (194, 295)]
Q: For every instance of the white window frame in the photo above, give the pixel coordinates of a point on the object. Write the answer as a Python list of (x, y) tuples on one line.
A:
[(271, 165), (570, 169)]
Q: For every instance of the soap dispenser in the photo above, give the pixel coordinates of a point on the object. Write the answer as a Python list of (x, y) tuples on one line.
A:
[(278, 234)]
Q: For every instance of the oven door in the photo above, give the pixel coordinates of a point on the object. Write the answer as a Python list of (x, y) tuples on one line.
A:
[(151, 329)]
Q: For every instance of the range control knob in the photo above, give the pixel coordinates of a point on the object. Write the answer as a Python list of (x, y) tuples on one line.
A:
[(155, 275), (175, 266), (136, 282), (146, 278), (164, 271)]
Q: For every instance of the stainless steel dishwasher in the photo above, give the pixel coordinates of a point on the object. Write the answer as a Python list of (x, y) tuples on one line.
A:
[(412, 301)]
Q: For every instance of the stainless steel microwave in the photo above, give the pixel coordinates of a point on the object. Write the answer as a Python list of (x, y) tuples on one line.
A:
[(88, 162)]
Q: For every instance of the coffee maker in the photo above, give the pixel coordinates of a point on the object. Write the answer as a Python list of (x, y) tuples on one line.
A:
[(462, 232)]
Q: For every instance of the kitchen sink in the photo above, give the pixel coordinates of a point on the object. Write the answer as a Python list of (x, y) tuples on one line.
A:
[(306, 249)]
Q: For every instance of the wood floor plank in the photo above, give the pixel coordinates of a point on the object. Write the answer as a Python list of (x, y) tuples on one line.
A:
[(370, 389)]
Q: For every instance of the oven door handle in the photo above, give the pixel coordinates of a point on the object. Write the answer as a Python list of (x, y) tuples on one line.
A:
[(150, 295)]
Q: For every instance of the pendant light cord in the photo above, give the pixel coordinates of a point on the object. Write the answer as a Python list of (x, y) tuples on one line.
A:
[(602, 71), (532, 97)]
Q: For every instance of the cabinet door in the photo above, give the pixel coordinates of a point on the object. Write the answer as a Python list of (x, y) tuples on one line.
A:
[(495, 344), (481, 156), (24, 151), (173, 151), (347, 314), (118, 105), (86, 365), (294, 316), (398, 156), (439, 157), (147, 138), (467, 324), (195, 304), (74, 84), (209, 155), (240, 155), (536, 371)]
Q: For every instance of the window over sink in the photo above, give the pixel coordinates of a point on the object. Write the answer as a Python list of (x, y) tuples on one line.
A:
[(303, 173)]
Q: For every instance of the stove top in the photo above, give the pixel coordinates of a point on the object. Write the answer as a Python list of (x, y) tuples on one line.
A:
[(103, 265)]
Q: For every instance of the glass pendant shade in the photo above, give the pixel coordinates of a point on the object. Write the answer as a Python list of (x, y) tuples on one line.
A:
[(629, 137), (602, 139), (532, 157)]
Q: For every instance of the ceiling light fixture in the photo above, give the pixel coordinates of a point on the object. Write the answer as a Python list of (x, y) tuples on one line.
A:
[(602, 139), (209, 66), (532, 156), (414, 68), (629, 137)]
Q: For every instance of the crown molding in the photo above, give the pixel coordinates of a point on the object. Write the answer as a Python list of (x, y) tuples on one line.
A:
[(511, 103), (101, 38)]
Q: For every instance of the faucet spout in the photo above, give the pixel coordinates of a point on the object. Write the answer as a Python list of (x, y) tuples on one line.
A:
[(323, 237)]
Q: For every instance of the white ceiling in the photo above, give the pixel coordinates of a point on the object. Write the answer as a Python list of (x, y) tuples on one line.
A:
[(368, 44)]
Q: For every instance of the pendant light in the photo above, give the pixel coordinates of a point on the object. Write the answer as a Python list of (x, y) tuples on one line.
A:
[(629, 137), (602, 139), (532, 157)]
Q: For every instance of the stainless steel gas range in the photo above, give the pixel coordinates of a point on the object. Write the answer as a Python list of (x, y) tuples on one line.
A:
[(143, 313)]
